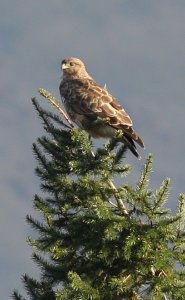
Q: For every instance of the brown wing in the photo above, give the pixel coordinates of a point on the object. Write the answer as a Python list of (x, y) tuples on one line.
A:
[(88, 98)]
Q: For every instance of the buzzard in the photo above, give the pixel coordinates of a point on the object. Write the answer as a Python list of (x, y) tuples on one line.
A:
[(93, 108)]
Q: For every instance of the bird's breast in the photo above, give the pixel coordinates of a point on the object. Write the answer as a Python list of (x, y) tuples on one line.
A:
[(93, 127), (103, 131)]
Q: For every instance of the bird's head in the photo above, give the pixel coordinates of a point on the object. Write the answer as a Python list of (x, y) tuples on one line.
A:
[(74, 68)]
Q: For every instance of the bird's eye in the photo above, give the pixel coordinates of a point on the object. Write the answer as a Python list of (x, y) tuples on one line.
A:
[(72, 64)]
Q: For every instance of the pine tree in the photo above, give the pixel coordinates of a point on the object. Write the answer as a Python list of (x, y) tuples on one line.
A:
[(96, 241)]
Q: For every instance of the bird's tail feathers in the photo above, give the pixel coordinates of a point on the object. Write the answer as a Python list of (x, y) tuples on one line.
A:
[(130, 132), (131, 145)]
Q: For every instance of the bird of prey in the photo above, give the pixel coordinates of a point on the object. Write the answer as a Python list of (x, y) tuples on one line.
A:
[(93, 108)]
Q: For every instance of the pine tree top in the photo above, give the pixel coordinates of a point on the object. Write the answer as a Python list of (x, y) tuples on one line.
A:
[(95, 240)]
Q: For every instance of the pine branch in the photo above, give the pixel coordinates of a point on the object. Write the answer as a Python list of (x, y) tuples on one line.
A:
[(162, 193), (17, 296), (119, 154), (55, 103), (145, 177), (37, 225), (38, 290), (41, 112), (181, 212)]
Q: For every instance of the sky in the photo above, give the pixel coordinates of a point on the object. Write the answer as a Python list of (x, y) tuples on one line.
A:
[(136, 47)]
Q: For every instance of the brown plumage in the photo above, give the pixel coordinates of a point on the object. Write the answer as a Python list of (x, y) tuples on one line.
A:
[(92, 107)]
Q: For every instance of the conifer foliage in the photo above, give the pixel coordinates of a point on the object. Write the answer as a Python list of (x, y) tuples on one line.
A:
[(95, 241)]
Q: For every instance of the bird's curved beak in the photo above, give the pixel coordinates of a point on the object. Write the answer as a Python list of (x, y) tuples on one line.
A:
[(65, 66)]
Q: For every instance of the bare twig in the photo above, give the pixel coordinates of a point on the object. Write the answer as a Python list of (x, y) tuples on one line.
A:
[(118, 198), (113, 204), (55, 103)]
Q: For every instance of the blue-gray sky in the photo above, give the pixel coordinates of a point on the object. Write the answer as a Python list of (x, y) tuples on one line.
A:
[(136, 47)]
